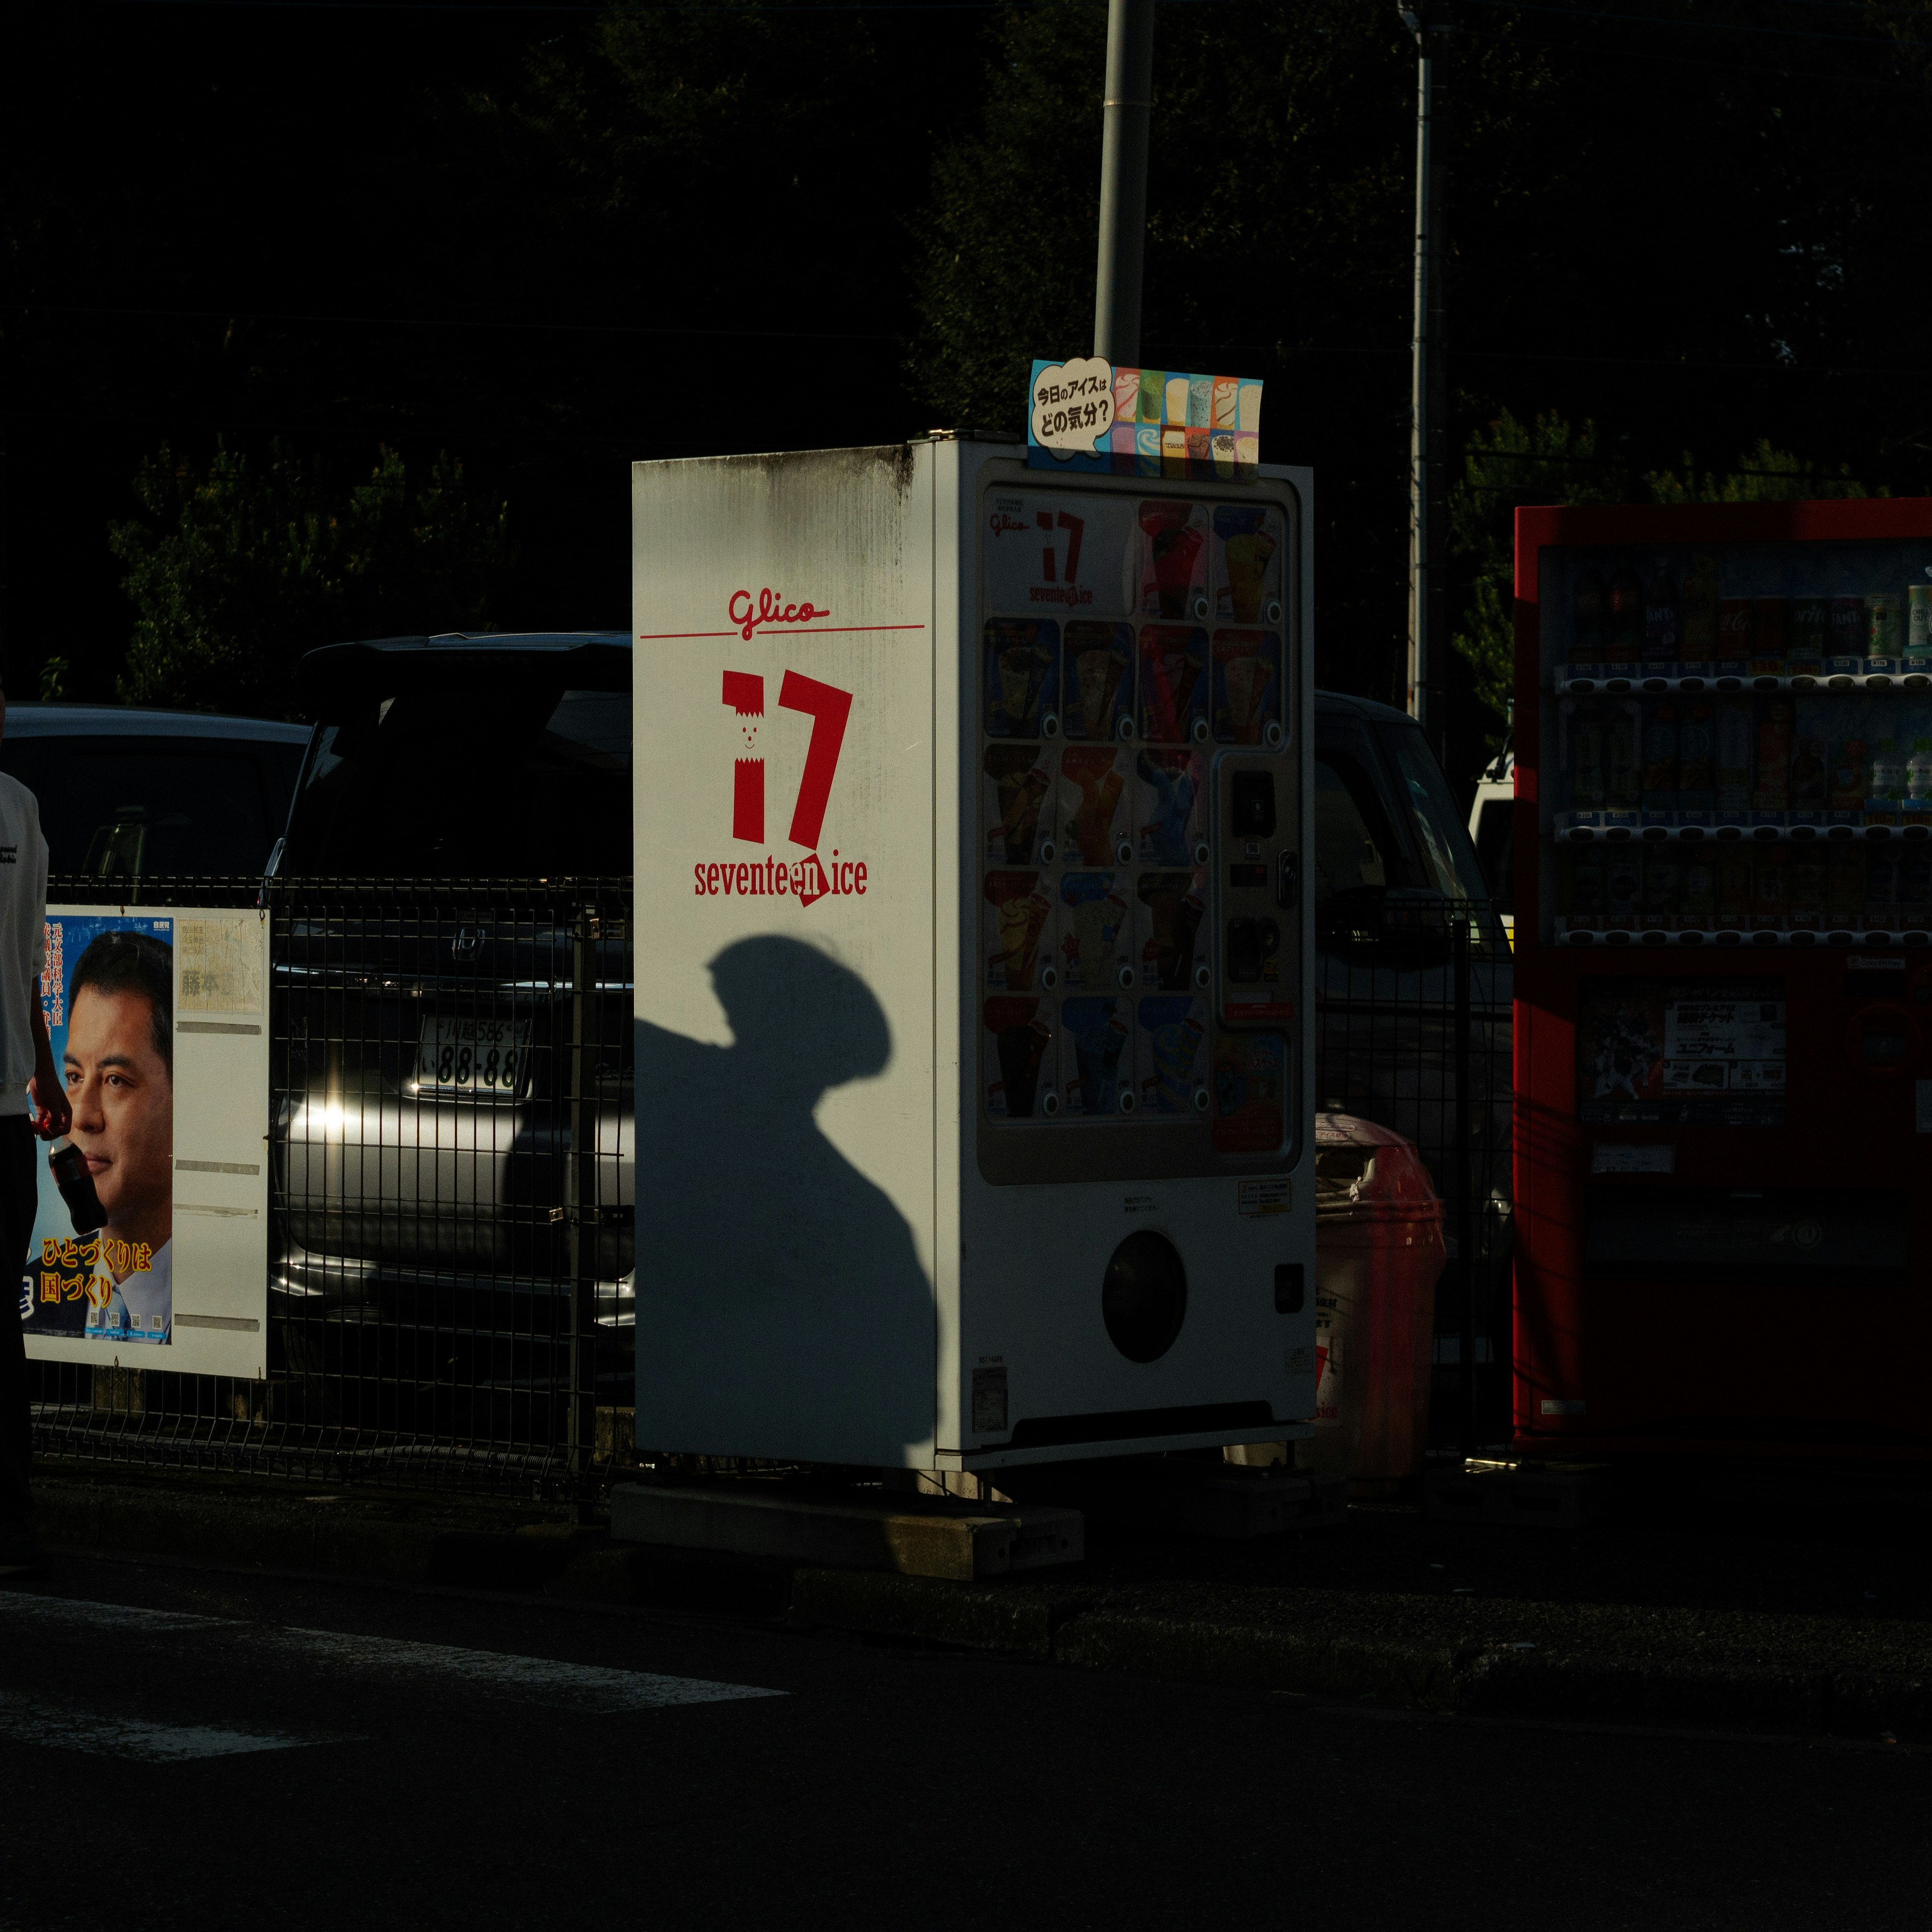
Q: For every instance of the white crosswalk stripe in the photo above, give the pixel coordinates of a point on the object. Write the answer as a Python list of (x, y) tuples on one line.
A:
[(596, 1689), (34, 1720), (538, 1680), (55, 1613)]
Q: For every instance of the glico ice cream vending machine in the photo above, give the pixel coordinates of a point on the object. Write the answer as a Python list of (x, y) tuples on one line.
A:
[(1724, 978), (972, 1031)]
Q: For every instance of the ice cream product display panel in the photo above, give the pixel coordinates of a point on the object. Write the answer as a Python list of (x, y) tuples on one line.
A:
[(1738, 742), (1126, 644)]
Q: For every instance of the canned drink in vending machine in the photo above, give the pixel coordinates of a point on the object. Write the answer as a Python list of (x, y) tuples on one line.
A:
[(1806, 872), (1737, 636), (1623, 772), (1696, 750), (1845, 888), (1586, 885), (1918, 783), (1660, 621), (1915, 887), (1918, 628), (1884, 633), (1770, 889), (1885, 783), (1583, 740), (1660, 761), (1734, 888), (1698, 617), (1587, 613), (1623, 650), (1770, 795), (1623, 890), (1810, 636), (1850, 628), (1773, 638), (1849, 752), (1881, 889), (1698, 889), (1734, 759), (1810, 764), (1660, 888)]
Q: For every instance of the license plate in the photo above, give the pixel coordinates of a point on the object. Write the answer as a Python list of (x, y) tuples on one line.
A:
[(473, 1056)]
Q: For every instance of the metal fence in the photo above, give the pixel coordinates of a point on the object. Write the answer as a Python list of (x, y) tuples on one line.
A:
[(450, 1239), (450, 1232), (1413, 1003)]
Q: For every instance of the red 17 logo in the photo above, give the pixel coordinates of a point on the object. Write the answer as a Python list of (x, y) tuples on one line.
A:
[(828, 707)]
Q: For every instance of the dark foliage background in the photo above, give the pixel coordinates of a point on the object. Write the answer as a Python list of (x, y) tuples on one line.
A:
[(543, 241)]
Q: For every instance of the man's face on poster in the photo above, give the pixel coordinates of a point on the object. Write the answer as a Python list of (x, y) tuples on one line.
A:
[(123, 1111)]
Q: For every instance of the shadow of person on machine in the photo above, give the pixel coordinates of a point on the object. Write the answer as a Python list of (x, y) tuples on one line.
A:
[(782, 1310)]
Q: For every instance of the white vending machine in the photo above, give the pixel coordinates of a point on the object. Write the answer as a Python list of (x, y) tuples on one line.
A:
[(972, 805)]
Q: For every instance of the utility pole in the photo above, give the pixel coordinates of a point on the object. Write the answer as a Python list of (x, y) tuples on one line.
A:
[(1428, 388), (1127, 107)]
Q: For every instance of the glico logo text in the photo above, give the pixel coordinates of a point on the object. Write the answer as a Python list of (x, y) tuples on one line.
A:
[(749, 614)]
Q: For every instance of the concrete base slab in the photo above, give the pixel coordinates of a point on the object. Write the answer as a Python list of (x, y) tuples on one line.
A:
[(1520, 1498), (963, 1543)]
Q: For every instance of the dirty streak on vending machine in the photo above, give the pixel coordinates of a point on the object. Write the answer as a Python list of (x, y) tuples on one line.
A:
[(972, 1022), (1724, 979)]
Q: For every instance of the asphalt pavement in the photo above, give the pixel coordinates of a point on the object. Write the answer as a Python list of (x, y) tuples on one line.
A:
[(185, 1747)]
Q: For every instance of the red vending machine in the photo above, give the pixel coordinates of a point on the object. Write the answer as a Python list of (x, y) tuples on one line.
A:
[(1724, 978)]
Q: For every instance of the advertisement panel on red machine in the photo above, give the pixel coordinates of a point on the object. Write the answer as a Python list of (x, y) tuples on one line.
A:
[(1670, 1050)]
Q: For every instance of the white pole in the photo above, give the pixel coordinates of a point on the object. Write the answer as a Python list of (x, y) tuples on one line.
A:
[(1421, 536)]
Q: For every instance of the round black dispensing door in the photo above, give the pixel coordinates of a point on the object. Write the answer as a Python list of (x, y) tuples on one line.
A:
[(1144, 1299)]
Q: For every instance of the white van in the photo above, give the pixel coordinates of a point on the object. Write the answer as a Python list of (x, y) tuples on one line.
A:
[(1493, 833)]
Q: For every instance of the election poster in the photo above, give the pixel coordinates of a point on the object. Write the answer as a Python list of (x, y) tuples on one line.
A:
[(174, 1276)]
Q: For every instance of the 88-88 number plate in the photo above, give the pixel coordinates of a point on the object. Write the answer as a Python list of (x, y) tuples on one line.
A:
[(473, 1056)]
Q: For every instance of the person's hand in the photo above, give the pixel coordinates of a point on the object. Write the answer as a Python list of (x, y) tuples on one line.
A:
[(52, 1116)]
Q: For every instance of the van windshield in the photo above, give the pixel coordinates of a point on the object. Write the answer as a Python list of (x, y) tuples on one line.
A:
[(1444, 840), (1356, 841), (507, 783)]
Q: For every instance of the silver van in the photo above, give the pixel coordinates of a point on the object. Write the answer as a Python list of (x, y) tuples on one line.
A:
[(432, 960)]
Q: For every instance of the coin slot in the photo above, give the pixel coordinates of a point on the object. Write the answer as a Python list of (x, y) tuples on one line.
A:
[(1244, 951), (1253, 805)]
